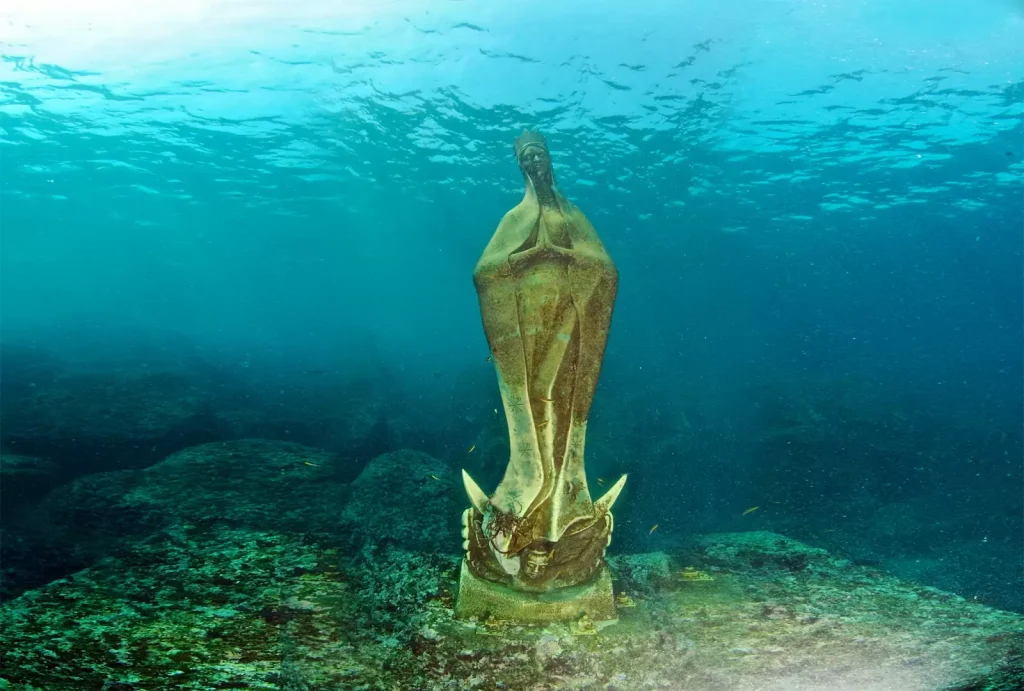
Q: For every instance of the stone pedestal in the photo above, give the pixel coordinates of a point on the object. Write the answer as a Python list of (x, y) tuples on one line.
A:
[(480, 598)]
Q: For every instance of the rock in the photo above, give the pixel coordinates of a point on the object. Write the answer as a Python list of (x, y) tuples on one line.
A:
[(251, 483), (89, 423), (86, 517), (200, 610), (132, 414), (349, 426), (641, 573), (23, 481), (75, 525), (759, 550), (229, 607), (411, 499), (254, 484), (396, 586), (351, 415)]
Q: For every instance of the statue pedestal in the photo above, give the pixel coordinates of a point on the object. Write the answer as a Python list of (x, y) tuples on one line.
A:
[(480, 598)]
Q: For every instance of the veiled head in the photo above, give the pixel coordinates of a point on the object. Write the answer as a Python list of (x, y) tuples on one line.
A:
[(535, 160)]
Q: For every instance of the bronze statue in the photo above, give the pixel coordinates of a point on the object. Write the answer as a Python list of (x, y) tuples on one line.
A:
[(547, 288)]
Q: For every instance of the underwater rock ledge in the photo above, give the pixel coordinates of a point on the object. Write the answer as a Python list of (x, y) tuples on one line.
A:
[(404, 497), (226, 607)]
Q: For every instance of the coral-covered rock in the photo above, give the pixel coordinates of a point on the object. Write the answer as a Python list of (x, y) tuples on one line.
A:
[(759, 551), (641, 573), (76, 524), (224, 608), (409, 498), (199, 610), (248, 482), (253, 484)]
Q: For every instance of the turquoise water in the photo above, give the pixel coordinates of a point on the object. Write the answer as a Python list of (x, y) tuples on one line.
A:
[(794, 193), (240, 169)]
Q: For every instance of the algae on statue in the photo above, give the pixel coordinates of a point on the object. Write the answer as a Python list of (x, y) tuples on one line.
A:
[(546, 287)]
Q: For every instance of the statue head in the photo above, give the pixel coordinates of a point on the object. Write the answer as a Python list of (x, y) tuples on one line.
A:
[(535, 161), (536, 560)]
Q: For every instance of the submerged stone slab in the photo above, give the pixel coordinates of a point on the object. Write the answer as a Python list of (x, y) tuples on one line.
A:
[(232, 608)]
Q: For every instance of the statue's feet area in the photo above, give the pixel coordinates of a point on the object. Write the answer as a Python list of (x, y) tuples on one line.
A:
[(225, 607)]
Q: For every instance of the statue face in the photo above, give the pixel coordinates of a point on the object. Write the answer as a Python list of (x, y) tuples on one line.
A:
[(535, 162), (535, 562)]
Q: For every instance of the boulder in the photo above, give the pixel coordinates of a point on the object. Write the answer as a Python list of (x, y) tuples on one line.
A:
[(251, 484), (408, 498)]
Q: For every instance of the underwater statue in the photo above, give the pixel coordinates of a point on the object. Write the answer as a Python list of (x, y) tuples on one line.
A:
[(535, 548)]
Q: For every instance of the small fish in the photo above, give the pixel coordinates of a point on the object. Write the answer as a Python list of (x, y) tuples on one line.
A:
[(653, 528), (471, 449), (434, 477), (600, 480), (315, 465), (752, 509), (488, 358)]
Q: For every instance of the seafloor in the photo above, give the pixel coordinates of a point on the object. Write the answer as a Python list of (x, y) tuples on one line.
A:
[(250, 565)]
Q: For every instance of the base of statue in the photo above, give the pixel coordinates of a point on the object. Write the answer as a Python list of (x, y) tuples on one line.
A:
[(482, 599)]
